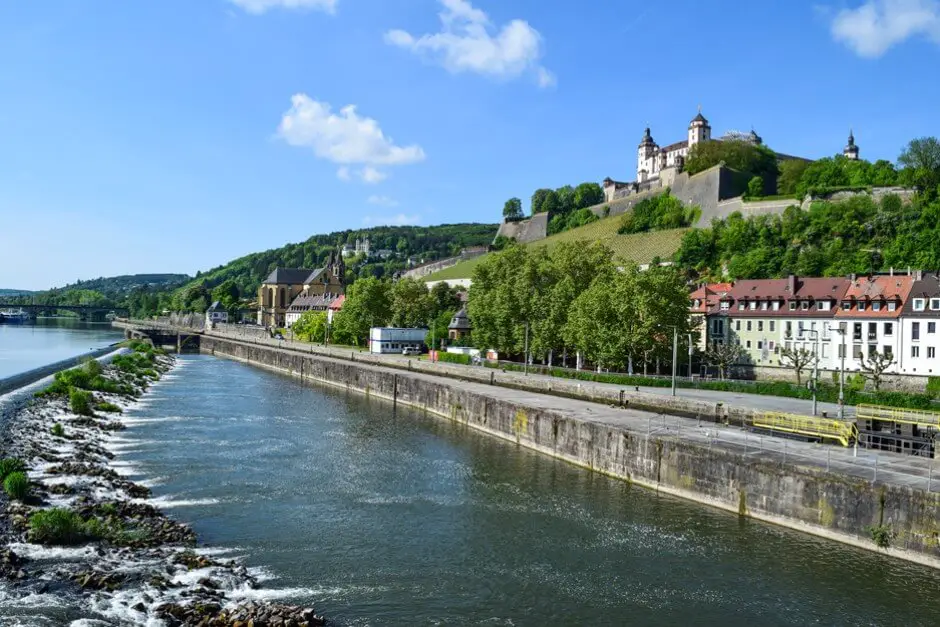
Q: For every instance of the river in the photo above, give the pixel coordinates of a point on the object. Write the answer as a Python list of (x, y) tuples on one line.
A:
[(390, 517), (48, 340)]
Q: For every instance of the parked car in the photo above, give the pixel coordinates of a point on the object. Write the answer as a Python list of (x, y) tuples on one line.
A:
[(410, 350)]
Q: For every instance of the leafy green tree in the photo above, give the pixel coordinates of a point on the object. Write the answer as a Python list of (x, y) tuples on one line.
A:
[(311, 326), (745, 157), (227, 294), (755, 187), (659, 212), (566, 199), (512, 210), (538, 201), (921, 162), (412, 306), (791, 171), (367, 305), (588, 195)]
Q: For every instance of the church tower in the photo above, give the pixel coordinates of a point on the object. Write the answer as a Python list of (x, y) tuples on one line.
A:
[(646, 165), (699, 129), (851, 150)]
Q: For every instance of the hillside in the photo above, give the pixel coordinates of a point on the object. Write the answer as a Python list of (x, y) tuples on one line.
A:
[(637, 247), (125, 283), (420, 244), (9, 292)]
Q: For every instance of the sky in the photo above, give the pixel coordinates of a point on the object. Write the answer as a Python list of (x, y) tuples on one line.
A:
[(177, 135)]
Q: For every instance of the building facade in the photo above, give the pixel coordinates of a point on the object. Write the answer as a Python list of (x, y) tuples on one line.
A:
[(920, 327), (278, 293)]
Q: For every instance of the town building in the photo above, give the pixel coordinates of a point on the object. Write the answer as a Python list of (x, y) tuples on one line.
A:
[(869, 319), (920, 318), (395, 340), (279, 292), (459, 327), (704, 308), (216, 314), (335, 307)]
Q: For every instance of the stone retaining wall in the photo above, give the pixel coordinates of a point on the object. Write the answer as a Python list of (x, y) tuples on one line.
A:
[(825, 504)]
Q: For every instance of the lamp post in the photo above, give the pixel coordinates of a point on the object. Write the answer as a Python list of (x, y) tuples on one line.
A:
[(675, 352), (690, 357), (525, 358), (843, 330), (815, 335)]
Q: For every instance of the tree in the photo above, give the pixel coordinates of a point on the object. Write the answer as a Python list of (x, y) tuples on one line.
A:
[(512, 210), (799, 359), (745, 157), (588, 195), (367, 305), (874, 365), (411, 304), (538, 200), (791, 171), (921, 162), (723, 356), (311, 326), (755, 187)]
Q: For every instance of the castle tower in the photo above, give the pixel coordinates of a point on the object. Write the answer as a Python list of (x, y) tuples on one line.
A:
[(646, 165), (851, 150), (337, 267), (699, 129)]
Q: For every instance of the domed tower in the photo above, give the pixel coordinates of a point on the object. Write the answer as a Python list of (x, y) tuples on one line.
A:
[(699, 129), (851, 150), (646, 165)]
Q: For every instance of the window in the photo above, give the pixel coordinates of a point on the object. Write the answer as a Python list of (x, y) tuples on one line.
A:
[(872, 349), (931, 327), (919, 304), (773, 326), (876, 306), (763, 305), (697, 303), (892, 306), (841, 351), (823, 305), (776, 305), (861, 305), (889, 328), (749, 343), (856, 351), (931, 352), (725, 305), (915, 330), (737, 325), (760, 345), (886, 350), (792, 305), (804, 305), (789, 330), (760, 325), (846, 305), (872, 331), (915, 351), (935, 304), (826, 330), (718, 327), (752, 305), (748, 325), (825, 351), (787, 345), (857, 331), (741, 306)]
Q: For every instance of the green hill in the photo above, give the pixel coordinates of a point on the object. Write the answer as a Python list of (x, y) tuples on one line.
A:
[(636, 247), (9, 292), (125, 283)]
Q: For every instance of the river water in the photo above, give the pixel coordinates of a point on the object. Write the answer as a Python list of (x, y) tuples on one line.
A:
[(380, 516), (48, 340)]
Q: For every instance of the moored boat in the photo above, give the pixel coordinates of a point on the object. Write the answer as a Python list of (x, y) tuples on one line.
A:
[(13, 317)]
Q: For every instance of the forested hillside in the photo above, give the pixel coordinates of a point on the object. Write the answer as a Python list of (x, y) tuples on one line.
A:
[(116, 285)]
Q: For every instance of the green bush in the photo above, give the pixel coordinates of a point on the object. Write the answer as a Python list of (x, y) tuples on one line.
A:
[(10, 465), (80, 402), (16, 485), (93, 368), (933, 386), (58, 525), (58, 430), (453, 358), (108, 407)]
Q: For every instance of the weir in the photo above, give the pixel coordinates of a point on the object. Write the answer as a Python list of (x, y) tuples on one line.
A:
[(620, 442)]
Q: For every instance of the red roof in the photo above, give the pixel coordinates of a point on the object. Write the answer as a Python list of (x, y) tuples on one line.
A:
[(337, 304), (708, 296), (881, 289)]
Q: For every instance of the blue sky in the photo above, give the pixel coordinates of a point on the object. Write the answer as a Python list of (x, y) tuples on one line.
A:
[(176, 135)]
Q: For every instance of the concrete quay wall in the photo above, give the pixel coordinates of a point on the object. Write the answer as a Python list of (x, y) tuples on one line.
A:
[(825, 504)]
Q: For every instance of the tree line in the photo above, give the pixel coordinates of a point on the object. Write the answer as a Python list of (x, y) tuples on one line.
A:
[(566, 206)]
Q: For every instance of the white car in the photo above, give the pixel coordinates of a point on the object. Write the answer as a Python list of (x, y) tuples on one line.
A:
[(410, 350)]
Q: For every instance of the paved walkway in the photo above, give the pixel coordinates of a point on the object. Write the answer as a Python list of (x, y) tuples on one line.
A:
[(867, 465)]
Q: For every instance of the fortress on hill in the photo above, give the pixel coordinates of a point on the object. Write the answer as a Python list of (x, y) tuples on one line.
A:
[(718, 190)]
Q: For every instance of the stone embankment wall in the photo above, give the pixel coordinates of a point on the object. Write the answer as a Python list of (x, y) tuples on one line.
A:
[(443, 264), (825, 504), (525, 231)]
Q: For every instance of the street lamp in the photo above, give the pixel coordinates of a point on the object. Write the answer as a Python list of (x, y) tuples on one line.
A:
[(843, 331)]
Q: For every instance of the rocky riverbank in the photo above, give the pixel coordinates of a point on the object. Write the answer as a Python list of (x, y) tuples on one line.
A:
[(80, 532)]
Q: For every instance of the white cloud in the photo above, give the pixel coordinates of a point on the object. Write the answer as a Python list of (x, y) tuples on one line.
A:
[(345, 139), (468, 42), (257, 7), (399, 219), (384, 201), (877, 25), (372, 176)]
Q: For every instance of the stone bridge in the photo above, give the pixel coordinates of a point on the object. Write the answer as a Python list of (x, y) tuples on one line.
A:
[(85, 312), (162, 334)]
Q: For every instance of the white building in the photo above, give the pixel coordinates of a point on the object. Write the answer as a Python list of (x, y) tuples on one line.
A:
[(653, 159), (920, 327), (216, 314), (394, 340)]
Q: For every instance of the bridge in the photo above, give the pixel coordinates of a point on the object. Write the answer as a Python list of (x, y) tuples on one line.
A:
[(163, 334), (94, 313)]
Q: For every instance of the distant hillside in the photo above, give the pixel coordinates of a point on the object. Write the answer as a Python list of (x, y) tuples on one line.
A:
[(7, 292), (637, 247), (414, 244), (118, 285)]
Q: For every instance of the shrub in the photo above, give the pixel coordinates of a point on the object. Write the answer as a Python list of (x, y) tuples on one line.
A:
[(10, 465), (933, 386), (58, 430), (93, 368), (80, 402), (108, 407), (453, 358), (755, 187), (58, 525), (881, 535), (16, 485)]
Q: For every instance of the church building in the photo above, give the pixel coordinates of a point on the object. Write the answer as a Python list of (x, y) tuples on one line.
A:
[(286, 287)]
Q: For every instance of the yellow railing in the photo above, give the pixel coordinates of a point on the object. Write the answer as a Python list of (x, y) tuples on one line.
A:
[(842, 431), (920, 417)]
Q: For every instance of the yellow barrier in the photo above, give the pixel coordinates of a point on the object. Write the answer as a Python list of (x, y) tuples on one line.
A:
[(920, 417), (842, 431)]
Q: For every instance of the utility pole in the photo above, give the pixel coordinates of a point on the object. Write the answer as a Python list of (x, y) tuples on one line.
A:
[(815, 334), (525, 367), (675, 355), (690, 357)]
